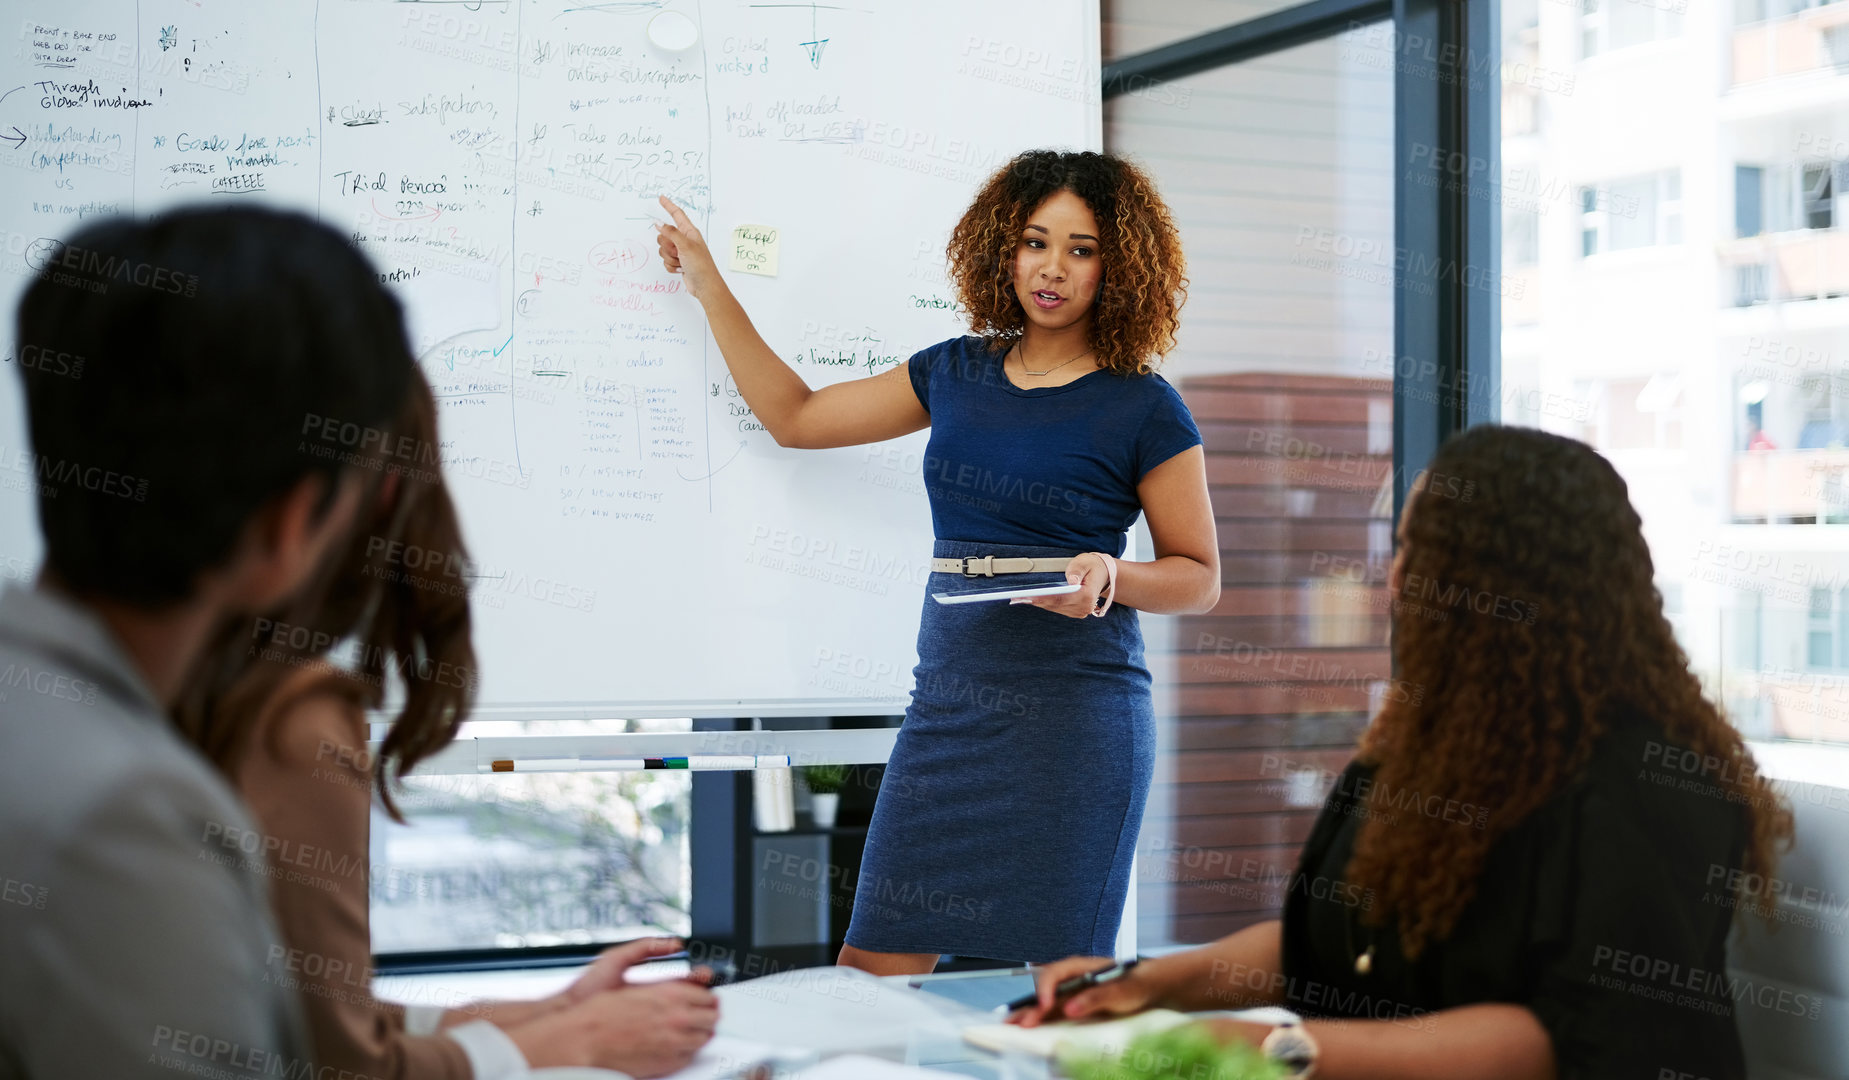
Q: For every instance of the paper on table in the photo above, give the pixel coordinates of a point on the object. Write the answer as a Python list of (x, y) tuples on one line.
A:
[(1049, 1039), (860, 1067), (725, 1058), (838, 1010), (849, 1067)]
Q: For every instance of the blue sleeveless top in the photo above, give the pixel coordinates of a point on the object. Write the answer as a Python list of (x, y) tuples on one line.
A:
[(1055, 465)]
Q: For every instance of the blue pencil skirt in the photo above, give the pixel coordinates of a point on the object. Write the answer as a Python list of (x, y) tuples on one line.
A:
[(1011, 804)]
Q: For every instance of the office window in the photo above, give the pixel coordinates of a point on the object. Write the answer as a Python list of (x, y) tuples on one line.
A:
[(1753, 11), (1806, 194), (1591, 27), (1134, 26), (1817, 195), (1748, 651), (1748, 200), (1825, 403), (1824, 651), (521, 860), (1836, 47), (1521, 236), (1520, 37), (1668, 209), (1634, 212), (1281, 176), (1607, 25), (1714, 375)]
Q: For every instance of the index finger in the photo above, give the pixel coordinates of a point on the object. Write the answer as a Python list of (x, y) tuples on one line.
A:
[(680, 216), (642, 948)]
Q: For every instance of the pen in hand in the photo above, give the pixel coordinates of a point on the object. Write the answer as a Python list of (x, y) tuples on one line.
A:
[(1069, 987)]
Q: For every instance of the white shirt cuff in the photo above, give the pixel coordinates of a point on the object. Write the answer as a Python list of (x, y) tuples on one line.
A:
[(423, 1019), (492, 1055)]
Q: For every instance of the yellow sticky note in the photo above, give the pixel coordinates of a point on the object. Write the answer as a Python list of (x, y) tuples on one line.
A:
[(754, 250)]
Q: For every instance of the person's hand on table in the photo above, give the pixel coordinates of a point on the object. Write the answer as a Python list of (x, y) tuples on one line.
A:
[(646, 1031), (610, 971), (1131, 993), (1090, 574), (654, 1030)]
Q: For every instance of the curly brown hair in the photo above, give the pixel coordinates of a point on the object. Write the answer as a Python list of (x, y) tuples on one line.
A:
[(1138, 307), (415, 624), (1517, 514)]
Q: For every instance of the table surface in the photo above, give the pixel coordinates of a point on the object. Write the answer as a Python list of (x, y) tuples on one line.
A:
[(828, 1011), (835, 1011)]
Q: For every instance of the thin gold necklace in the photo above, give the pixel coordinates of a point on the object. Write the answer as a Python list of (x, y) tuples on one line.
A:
[(1025, 370)]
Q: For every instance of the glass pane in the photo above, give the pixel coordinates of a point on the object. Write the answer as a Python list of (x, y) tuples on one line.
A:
[(1746, 646), (1521, 235), (1701, 344), (1134, 26), (1631, 24), (505, 860), (1632, 212), (1816, 195), (1280, 174), (1748, 199)]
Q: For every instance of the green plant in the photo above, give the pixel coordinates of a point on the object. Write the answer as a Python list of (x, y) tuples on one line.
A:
[(825, 779), (1188, 1052)]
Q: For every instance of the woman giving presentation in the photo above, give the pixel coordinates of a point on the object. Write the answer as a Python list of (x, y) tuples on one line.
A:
[(1026, 752)]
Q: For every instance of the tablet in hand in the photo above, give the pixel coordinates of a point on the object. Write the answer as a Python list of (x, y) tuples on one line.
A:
[(1007, 592)]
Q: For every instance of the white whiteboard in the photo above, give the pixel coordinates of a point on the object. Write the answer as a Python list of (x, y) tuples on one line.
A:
[(645, 550)]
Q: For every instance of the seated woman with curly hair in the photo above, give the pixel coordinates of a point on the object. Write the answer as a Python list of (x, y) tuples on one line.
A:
[(1514, 878)]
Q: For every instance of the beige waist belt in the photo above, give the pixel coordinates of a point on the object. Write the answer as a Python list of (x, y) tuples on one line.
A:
[(989, 566)]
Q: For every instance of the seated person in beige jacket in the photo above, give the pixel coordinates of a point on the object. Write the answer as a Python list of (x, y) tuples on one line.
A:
[(290, 729)]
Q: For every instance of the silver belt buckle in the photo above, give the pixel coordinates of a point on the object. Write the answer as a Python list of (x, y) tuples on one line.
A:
[(987, 562)]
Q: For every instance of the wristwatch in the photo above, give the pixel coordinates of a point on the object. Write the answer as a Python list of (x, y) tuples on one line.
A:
[(1293, 1047)]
